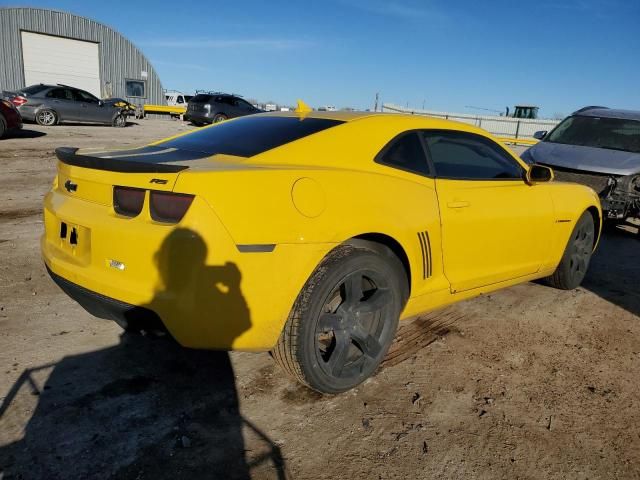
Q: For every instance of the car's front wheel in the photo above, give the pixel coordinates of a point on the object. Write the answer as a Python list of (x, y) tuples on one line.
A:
[(46, 117), (220, 117), (344, 319), (120, 121), (577, 255)]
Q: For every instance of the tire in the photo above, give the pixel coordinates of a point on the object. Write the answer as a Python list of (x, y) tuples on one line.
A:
[(119, 121), (3, 127), (46, 117), (220, 117), (577, 255), (344, 319)]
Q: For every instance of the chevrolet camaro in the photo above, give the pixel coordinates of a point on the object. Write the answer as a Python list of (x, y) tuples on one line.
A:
[(309, 234)]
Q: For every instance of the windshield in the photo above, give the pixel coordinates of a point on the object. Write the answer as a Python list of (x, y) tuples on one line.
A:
[(610, 133)]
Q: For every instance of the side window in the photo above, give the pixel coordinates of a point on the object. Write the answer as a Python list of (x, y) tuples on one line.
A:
[(60, 94), (459, 155), (245, 105), (82, 96), (180, 99), (405, 153)]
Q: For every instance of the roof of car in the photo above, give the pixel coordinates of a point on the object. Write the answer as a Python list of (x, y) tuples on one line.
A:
[(610, 113), (335, 115), (406, 119)]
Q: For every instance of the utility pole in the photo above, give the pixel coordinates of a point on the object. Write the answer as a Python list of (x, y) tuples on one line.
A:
[(375, 106)]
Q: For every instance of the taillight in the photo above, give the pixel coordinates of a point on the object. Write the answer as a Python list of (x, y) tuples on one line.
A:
[(19, 100), (128, 201), (169, 207)]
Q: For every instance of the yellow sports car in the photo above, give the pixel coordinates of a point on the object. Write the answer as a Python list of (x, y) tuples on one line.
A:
[(308, 234)]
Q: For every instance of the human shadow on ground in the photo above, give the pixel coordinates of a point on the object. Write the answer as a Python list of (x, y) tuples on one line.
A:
[(145, 408), (614, 272)]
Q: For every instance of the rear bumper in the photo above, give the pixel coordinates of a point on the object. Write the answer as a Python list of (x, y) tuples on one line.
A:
[(192, 276), (101, 306), (199, 117)]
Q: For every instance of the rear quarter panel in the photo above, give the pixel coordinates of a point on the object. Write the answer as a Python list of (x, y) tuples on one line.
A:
[(267, 206)]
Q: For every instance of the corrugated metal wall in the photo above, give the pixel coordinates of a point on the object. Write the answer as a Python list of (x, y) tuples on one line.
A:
[(119, 58)]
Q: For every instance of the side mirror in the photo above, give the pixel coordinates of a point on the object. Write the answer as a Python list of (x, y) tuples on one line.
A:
[(538, 174), (539, 135)]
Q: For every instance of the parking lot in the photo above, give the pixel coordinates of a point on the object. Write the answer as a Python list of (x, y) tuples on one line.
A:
[(529, 382)]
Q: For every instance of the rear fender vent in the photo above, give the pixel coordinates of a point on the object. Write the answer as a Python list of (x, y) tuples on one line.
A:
[(425, 248)]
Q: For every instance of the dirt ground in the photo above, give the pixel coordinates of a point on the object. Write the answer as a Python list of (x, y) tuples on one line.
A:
[(526, 383)]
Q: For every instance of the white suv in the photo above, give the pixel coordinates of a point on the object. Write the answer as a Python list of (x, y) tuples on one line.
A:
[(177, 99)]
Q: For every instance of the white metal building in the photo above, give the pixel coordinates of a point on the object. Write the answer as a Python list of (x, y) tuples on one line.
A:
[(48, 46)]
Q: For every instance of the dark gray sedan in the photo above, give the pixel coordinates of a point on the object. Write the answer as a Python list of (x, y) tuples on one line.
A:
[(53, 104), (598, 147)]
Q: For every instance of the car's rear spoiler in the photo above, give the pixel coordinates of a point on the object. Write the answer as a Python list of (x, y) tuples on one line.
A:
[(142, 163)]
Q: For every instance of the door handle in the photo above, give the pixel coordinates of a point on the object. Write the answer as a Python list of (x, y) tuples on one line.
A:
[(458, 204)]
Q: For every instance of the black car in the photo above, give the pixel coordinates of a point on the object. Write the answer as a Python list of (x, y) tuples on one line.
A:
[(52, 104), (214, 107), (10, 118)]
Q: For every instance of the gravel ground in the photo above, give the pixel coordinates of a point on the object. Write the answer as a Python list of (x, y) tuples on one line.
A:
[(529, 382)]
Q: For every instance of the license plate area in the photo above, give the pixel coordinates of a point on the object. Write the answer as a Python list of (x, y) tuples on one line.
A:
[(75, 240)]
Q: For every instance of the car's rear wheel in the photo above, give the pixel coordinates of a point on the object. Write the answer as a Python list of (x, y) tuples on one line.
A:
[(344, 319), (3, 127), (120, 121), (220, 117), (577, 255), (46, 117)]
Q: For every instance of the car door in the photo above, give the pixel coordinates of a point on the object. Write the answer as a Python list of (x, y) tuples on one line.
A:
[(62, 102), (91, 109), (495, 227)]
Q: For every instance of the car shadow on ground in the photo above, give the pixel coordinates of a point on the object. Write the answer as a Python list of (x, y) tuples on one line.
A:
[(614, 273), (145, 408), (25, 133), (81, 124)]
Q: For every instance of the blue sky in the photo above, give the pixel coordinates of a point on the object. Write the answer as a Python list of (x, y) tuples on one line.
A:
[(558, 54)]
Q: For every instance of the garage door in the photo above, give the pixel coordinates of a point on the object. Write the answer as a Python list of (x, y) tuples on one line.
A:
[(49, 59)]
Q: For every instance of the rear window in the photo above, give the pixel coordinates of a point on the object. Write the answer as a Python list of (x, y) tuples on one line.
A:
[(33, 89), (249, 136), (201, 98)]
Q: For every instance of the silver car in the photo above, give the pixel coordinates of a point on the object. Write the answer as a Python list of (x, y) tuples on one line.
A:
[(53, 104), (598, 147)]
